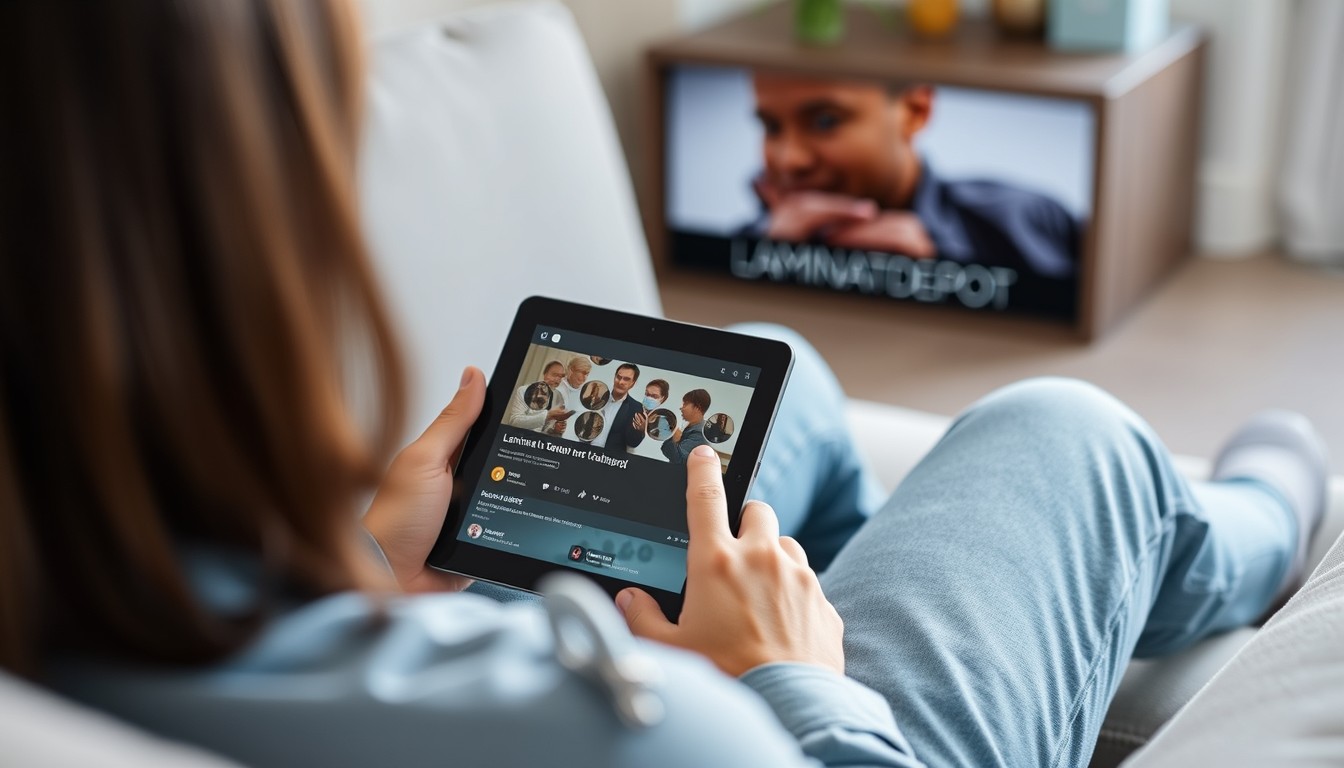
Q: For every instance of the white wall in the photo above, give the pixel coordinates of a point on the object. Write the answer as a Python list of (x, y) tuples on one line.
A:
[(1242, 105)]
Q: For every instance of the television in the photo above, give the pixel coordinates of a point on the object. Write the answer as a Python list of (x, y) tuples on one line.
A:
[(902, 190)]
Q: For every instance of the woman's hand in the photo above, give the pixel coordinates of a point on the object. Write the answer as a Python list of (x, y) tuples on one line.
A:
[(750, 600), (408, 511)]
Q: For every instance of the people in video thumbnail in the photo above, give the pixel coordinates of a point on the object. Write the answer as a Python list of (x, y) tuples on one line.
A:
[(718, 428), (655, 394), (659, 427), (539, 406), (595, 396), (841, 168), (599, 360), (588, 426), (622, 413), (693, 407), (576, 373), (662, 423)]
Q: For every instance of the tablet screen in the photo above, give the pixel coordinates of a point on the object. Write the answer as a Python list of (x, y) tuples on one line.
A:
[(586, 468)]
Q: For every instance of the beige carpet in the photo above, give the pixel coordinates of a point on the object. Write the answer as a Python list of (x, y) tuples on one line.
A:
[(1218, 341)]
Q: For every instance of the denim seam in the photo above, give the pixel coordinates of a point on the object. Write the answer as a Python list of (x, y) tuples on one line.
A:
[(1111, 624)]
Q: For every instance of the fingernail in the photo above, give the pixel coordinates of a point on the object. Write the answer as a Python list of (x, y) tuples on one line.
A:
[(623, 599), (704, 450), (466, 376)]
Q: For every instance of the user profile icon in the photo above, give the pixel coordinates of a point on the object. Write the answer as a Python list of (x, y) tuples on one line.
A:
[(661, 424), (719, 427), (538, 396), (588, 426), (576, 553), (497, 474), (594, 395), (475, 530)]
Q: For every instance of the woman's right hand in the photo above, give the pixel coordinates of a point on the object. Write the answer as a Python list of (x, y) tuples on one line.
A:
[(750, 600)]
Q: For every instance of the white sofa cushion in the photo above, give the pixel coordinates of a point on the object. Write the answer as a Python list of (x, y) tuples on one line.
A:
[(491, 171), (1280, 702)]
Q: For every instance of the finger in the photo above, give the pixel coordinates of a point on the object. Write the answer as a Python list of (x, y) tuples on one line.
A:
[(824, 209), (706, 505), (766, 191), (793, 549), (446, 433), (758, 522), (644, 616)]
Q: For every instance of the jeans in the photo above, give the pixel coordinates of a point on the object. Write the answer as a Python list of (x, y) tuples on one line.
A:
[(997, 596)]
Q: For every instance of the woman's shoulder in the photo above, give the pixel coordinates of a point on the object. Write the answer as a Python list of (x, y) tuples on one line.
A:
[(352, 679)]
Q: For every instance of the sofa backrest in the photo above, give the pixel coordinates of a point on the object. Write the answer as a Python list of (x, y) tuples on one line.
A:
[(491, 172), (40, 730)]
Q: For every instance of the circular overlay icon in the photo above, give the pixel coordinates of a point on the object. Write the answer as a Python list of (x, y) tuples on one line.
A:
[(718, 428), (661, 424), (594, 395), (588, 427), (537, 396), (474, 530), (497, 474)]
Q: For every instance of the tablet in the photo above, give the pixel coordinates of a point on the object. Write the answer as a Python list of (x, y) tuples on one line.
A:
[(578, 458)]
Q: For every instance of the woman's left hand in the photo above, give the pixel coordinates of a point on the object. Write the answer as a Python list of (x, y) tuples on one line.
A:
[(408, 511)]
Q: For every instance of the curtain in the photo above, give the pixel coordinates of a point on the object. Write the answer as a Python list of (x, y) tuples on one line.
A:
[(1311, 187)]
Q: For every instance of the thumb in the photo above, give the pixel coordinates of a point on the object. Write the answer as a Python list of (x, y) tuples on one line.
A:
[(449, 429), (644, 616)]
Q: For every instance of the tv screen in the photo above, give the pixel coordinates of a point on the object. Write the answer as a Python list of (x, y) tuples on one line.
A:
[(904, 190)]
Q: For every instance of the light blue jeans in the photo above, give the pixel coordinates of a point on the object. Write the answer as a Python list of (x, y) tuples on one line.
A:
[(997, 596)]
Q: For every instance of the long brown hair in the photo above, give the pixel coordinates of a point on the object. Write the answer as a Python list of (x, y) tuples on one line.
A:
[(184, 293)]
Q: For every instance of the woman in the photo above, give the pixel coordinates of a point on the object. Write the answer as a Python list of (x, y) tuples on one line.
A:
[(183, 285)]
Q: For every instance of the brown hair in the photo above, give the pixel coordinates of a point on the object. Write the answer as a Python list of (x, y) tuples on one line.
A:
[(662, 387), (181, 268), (697, 397)]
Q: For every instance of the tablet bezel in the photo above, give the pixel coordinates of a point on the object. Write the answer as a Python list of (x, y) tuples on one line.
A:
[(772, 357)]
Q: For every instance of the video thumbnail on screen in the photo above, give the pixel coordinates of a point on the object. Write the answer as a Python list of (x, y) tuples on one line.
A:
[(639, 409)]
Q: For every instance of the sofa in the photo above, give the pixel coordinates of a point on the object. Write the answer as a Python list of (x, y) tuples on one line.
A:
[(506, 175), (492, 171)]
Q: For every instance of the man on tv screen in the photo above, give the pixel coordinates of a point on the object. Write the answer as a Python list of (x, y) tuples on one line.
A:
[(841, 168)]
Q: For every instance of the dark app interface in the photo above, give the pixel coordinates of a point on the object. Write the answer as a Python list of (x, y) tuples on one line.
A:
[(587, 466)]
